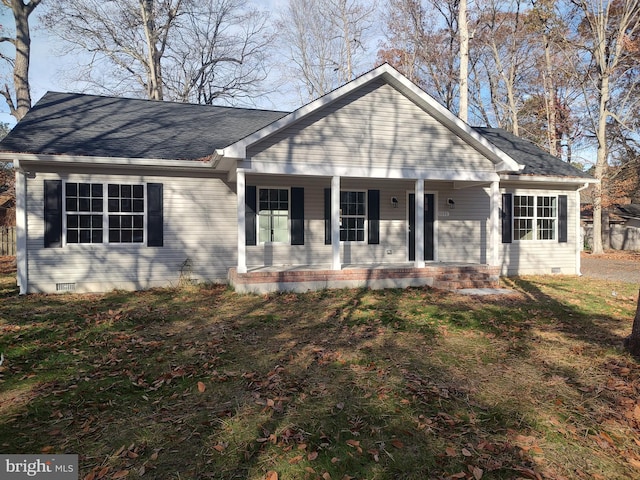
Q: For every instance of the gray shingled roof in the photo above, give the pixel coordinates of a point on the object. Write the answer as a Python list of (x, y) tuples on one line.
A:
[(76, 124), (536, 160), (90, 125)]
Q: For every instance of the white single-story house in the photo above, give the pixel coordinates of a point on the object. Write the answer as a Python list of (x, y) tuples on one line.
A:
[(374, 184)]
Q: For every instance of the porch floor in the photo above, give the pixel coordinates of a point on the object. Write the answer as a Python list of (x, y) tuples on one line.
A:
[(301, 278)]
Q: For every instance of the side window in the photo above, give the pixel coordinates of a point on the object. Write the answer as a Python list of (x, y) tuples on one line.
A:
[(273, 215), (353, 216), (535, 218), (126, 213), (84, 207)]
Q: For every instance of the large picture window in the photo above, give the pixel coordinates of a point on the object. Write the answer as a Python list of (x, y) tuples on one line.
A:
[(273, 213), (535, 217), (85, 213), (353, 214)]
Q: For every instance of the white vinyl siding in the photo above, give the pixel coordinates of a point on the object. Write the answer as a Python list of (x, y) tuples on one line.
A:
[(200, 238), (375, 126), (542, 256)]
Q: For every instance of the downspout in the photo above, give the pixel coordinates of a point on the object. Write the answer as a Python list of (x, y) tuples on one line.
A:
[(578, 226)]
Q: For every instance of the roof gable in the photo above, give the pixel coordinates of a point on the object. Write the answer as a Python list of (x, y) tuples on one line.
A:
[(90, 125), (394, 78)]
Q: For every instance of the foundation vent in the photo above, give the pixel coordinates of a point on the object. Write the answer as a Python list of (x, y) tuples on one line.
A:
[(65, 287), (556, 270)]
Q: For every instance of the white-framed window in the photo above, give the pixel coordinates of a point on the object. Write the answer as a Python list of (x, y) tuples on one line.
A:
[(273, 215), (125, 205), (353, 216), (84, 205), (89, 212), (535, 217)]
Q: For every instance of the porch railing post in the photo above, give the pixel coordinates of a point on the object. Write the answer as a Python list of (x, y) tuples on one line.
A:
[(419, 226), (493, 236), (242, 249), (336, 263)]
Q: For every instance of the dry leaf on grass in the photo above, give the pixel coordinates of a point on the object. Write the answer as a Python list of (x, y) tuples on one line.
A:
[(271, 475), (201, 387)]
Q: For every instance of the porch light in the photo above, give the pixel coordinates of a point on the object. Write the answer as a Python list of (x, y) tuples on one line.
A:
[(451, 203), (394, 202)]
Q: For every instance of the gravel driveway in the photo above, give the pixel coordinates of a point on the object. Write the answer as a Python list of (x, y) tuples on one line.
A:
[(619, 266)]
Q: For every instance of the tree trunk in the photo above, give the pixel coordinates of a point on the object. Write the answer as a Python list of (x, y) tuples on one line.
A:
[(154, 87), (632, 342), (464, 61), (22, 43), (552, 130), (601, 163)]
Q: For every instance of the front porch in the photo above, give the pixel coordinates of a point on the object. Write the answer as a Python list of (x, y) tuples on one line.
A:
[(302, 278)]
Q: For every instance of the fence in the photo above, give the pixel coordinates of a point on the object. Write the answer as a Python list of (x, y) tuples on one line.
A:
[(7, 240)]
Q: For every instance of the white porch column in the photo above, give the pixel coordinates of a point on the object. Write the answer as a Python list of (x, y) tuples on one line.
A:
[(21, 234), (493, 235), (336, 264), (242, 248), (419, 225)]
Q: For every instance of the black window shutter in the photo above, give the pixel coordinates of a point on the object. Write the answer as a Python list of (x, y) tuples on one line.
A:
[(250, 215), (297, 216), (327, 216), (155, 215), (52, 213), (507, 218), (562, 219), (373, 216)]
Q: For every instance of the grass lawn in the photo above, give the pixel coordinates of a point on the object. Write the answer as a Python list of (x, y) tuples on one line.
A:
[(199, 382)]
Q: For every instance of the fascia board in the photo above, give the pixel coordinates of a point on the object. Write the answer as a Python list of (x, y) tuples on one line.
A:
[(32, 159), (548, 179)]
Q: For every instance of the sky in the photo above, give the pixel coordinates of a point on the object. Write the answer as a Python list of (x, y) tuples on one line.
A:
[(47, 67)]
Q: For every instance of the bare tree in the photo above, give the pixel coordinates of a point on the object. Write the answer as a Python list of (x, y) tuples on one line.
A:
[(326, 40), (604, 35), (503, 55), (20, 63), (422, 41), (464, 60), (184, 50)]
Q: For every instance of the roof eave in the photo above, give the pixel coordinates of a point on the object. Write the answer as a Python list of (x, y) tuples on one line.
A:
[(23, 160), (548, 179)]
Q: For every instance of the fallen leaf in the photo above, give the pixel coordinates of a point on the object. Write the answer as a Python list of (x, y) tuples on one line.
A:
[(120, 474), (397, 443), (326, 476), (218, 448), (47, 449), (201, 387), (154, 456), (636, 412), (459, 475), (634, 462), (466, 452), (335, 460), (477, 473), (353, 443), (90, 476), (450, 451), (296, 459), (312, 456), (271, 475), (142, 471)]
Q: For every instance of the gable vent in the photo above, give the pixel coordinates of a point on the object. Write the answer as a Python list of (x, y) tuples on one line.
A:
[(65, 287)]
